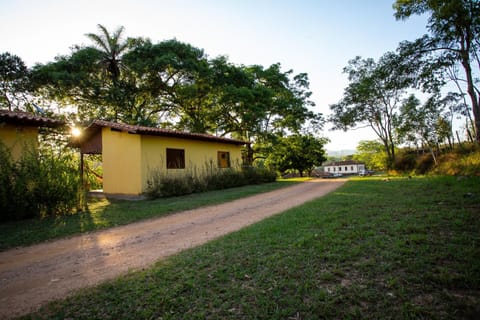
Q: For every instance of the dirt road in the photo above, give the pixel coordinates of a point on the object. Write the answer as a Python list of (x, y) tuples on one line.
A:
[(32, 276)]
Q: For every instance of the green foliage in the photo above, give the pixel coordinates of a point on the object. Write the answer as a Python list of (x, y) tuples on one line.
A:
[(372, 97), (176, 85), (459, 163), (111, 48), (161, 184), (406, 161), (463, 161), (402, 249), (14, 81), (425, 124), (107, 213), (37, 185), (372, 153), (424, 164), (297, 152), (93, 171), (452, 45)]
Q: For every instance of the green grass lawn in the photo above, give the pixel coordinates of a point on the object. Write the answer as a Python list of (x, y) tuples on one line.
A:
[(105, 213), (373, 249)]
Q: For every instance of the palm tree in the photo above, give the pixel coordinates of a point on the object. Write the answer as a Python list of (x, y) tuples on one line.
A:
[(111, 47)]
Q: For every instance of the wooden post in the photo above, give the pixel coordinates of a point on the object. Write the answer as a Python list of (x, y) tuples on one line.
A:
[(82, 185)]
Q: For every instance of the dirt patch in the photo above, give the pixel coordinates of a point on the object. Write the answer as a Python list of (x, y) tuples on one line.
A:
[(32, 276)]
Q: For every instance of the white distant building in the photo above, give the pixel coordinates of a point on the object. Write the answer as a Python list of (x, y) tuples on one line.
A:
[(344, 167)]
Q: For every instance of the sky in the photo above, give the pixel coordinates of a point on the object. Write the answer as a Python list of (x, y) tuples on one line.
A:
[(317, 37)]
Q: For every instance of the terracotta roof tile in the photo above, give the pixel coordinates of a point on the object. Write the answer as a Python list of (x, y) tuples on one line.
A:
[(134, 129), (28, 119)]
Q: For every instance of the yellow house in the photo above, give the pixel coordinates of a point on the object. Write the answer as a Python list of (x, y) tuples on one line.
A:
[(131, 153), (19, 130)]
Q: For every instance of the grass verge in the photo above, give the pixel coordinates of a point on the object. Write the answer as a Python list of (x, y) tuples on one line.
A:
[(373, 249), (105, 213)]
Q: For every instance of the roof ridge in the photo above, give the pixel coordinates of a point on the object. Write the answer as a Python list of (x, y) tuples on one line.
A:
[(138, 129), (30, 118)]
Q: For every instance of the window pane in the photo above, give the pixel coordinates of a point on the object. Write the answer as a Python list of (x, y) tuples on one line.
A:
[(175, 159), (223, 159)]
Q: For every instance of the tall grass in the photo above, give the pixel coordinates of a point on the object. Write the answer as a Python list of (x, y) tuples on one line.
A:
[(163, 184), (373, 249), (39, 184), (459, 164), (464, 160)]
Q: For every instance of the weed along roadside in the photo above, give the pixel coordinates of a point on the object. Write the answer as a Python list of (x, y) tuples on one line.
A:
[(372, 249), (86, 260), (108, 213)]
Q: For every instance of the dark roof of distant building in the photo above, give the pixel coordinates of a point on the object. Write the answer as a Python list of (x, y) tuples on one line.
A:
[(343, 163), (28, 119), (152, 131)]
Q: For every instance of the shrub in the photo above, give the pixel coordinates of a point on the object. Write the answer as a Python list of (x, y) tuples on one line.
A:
[(425, 163), (459, 163), (160, 184), (405, 161), (39, 184), (255, 175)]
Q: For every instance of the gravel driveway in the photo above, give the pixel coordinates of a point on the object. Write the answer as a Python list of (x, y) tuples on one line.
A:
[(32, 276)]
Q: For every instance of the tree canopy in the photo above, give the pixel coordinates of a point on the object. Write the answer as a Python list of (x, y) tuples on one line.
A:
[(297, 152), (14, 81), (373, 97), (372, 153), (176, 85), (166, 84), (454, 27)]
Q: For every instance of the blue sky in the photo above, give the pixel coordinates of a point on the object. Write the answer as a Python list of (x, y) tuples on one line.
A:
[(316, 37)]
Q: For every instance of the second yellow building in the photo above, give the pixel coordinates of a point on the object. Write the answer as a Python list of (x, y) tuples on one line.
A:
[(130, 154)]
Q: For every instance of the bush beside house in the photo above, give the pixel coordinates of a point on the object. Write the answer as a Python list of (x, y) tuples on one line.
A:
[(37, 184), (161, 184)]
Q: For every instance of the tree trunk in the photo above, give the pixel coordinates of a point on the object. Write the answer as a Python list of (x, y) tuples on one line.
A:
[(458, 139), (249, 158), (432, 151), (471, 92)]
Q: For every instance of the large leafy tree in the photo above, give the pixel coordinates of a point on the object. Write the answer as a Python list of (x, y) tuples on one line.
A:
[(372, 153), (14, 82), (75, 80), (425, 124), (152, 84), (297, 152), (454, 27), (175, 78), (175, 85), (92, 78), (258, 104), (373, 97)]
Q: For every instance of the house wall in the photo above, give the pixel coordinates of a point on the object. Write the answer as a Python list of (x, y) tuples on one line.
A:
[(121, 156), (197, 155), (130, 159), (345, 169), (17, 138)]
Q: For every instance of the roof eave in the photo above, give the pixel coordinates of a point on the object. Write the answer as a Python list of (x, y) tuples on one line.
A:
[(162, 132)]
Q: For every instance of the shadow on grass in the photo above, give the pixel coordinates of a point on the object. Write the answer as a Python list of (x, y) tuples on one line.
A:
[(105, 213), (372, 249)]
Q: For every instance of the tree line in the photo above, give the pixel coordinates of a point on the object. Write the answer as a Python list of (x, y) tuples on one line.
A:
[(176, 85), (167, 84), (379, 92)]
